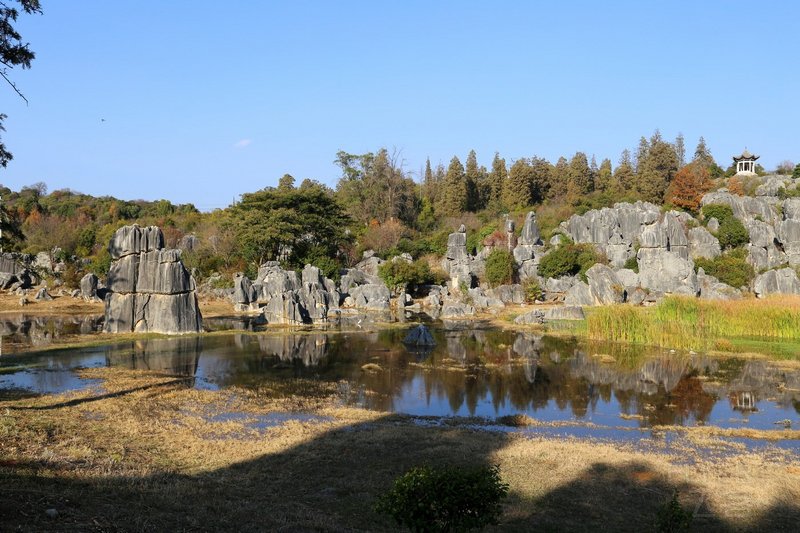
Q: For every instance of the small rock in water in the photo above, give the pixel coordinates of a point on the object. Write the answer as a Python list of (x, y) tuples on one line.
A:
[(51, 513)]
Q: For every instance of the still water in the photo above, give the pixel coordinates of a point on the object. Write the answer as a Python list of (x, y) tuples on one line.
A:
[(470, 372)]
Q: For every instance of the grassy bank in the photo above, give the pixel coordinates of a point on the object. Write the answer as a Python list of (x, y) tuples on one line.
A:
[(691, 323), (150, 453)]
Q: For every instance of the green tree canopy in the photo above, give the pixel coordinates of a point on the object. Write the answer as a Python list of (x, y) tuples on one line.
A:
[(292, 225), (452, 199)]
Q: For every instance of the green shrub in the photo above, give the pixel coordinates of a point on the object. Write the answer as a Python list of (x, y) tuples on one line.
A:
[(721, 212), (445, 499), (533, 291), (500, 267), (672, 517), (731, 268), (632, 264), (568, 260), (402, 274), (732, 233)]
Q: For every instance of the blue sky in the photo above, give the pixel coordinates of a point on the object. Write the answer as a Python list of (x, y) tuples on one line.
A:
[(199, 101)]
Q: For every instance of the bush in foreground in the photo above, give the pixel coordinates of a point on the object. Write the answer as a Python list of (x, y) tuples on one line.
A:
[(445, 499), (401, 274)]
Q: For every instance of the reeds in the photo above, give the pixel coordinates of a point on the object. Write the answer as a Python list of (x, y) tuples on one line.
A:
[(691, 323)]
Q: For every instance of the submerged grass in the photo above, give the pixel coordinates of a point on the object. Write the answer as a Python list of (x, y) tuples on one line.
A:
[(691, 323)]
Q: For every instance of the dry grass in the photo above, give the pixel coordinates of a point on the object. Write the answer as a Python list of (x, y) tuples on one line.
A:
[(149, 453)]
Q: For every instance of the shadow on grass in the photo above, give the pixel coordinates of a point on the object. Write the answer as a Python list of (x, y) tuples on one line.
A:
[(89, 399), (331, 482)]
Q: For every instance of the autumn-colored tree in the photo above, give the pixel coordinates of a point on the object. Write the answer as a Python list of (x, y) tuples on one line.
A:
[(690, 184)]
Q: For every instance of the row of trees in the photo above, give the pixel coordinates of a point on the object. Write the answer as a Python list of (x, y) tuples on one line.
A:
[(376, 204)]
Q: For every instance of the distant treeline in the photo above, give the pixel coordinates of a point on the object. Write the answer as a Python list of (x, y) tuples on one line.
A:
[(376, 205)]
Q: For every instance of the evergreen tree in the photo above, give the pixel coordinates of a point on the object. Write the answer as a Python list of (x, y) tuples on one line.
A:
[(796, 172), (559, 179), (497, 178), (579, 176), (473, 179), (541, 172), (429, 183), (702, 155), (657, 170), (624, 173), (517, 189), (680, 150), (641, 154), (453, 198), (286, 183), (605, 181)]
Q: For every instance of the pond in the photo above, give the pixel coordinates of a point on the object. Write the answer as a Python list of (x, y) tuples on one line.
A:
[(470, 372)]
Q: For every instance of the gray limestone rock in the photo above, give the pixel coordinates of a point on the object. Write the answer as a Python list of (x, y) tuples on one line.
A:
[(482, 300), (637, 296), (703, 244), (604, 285), (284, 309), (371, 296), (508, 294), (530, 231), (663, 271), (135, 240), (419, 336), (783, 281), (627, 277), (88, 290), (149, 288), (564, 312), (43, 295), (454, 309), (530, 318), (788, 234), (579, 294), (713, 224), (745, 208)]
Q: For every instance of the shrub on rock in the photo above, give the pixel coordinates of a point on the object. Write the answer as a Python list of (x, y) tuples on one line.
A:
[(500, 267), (568, 260), (732, 233), (731, 268)]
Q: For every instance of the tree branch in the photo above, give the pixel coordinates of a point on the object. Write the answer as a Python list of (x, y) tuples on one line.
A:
[(3, 74)]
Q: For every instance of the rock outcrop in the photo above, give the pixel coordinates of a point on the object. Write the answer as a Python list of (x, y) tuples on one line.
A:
[(149, 288), (529, 248), (457, 261), (783, 281)]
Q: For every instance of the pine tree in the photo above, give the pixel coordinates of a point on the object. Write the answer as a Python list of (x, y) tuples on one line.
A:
[(453, 198), (517, 189), (472, 179), (541, 177), (702, 155), (657, 170), (579, 176), (641, 154), (559, 179), (680, 149), (429, 184), (605, 181), (497, 178), (624, 173)]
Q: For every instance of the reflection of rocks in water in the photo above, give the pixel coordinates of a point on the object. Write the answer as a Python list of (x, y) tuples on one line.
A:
[(455, 347), (530, 364), (665, 371), (177, 355), (43, 330), (527, 345), (310, 349), (760, 380)]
